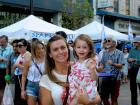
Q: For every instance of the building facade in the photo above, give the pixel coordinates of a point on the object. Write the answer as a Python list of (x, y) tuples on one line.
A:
[(119, 13), (13, 10)]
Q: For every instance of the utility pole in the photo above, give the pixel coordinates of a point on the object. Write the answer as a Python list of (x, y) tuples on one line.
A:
[(31, 7), (94, 8)]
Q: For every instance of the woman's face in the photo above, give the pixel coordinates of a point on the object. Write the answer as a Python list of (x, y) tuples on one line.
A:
[(82, 49), (59, 51), (40, 50), (21, 47)]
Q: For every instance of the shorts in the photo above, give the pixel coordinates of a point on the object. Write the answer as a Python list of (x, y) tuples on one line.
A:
[(32, 88)]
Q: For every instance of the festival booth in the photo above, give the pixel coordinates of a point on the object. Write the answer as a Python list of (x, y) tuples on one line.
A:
[(33, 27), (94, 30)]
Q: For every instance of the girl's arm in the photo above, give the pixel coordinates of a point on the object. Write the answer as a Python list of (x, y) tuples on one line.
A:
[(91, 64), (45, 96)]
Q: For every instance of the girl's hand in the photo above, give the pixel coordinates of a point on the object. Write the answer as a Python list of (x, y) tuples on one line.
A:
[(91, 64)]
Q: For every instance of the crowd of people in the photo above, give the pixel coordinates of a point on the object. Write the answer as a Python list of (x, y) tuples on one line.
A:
[(68, 72)]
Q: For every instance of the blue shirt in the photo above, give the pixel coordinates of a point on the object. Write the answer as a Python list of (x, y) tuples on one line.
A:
[(117, 57), (5, 53)]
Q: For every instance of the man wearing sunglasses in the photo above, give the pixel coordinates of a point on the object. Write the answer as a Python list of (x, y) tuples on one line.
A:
[(5, 51), (112, 62), (134, 62)]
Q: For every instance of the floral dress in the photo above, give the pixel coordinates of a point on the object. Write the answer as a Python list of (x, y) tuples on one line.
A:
[(80, 78)]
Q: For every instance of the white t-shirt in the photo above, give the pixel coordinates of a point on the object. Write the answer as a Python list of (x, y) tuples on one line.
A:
[(33, 73), (56, 90), (20, 60)]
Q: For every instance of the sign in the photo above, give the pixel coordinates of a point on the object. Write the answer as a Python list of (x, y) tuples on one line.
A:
[(41, 35), (122, 26), (105, 3)]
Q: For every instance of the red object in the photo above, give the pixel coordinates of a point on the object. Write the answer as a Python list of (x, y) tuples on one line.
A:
[(21, 62)]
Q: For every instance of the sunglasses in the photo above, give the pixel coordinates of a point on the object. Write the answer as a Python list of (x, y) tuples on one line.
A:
[(15, 46), (20, 45), (107, 40)]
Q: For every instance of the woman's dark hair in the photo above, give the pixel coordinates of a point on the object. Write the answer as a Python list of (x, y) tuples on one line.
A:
[(62, 33), (49, 62), (15, 41), (125, 49)]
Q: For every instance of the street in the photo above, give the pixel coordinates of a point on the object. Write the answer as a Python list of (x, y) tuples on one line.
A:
[(125, 95)]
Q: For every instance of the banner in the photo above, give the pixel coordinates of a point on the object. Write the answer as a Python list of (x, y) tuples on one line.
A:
[(130, 34)]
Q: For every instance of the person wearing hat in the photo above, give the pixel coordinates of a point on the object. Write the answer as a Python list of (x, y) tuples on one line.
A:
[(134, 62), (112, 61)]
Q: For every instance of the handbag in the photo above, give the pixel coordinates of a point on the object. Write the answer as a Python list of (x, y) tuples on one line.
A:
[(7, 96), (37, 67)]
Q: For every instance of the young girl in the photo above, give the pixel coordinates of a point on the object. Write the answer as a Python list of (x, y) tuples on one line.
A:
[(83, 74)]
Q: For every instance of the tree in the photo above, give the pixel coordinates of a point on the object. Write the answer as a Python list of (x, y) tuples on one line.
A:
[(76, 14)]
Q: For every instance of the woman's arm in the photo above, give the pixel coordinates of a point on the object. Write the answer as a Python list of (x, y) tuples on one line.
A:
[(26, 65), (45, 96)]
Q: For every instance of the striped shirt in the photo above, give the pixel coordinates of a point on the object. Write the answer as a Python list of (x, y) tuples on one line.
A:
[(116, 57)]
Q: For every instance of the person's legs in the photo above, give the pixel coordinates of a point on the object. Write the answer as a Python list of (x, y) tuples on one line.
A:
[(115, 93), (18, 100), (133, 86), (2, 83), (31, 100), (105, 91), (32, 91)]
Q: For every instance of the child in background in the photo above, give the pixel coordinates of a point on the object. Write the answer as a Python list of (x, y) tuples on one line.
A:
[(83, 74)]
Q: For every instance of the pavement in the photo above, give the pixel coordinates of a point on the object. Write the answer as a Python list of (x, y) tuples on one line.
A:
[(125, 95)]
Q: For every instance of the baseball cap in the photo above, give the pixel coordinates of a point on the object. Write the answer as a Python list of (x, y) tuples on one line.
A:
[(136, 39)]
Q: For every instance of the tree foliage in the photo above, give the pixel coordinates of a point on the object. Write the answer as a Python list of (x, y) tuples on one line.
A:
[(76, 14)]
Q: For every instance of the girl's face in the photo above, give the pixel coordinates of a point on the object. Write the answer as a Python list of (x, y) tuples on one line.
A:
[(59, 51), (40, 50), (81, 49)]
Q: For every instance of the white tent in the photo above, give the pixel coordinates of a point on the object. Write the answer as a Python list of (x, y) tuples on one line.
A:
[(95, 28), (32, 26)]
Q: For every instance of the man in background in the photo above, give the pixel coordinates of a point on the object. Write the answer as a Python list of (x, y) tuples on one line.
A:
[(5, 52), (134, 62)]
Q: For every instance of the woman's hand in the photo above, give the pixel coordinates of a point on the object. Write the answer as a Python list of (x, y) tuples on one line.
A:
[(23, 94), (82, 97)]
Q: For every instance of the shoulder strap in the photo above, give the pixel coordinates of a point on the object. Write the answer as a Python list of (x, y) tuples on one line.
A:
[(37, 67), (67, 88)]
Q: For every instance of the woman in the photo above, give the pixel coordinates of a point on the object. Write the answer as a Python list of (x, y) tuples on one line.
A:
[(125, 67), (53, 86), (18, 68), (33, 70)]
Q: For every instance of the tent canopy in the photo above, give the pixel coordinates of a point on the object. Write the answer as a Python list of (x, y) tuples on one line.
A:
[(31, 24), (94, 29)]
